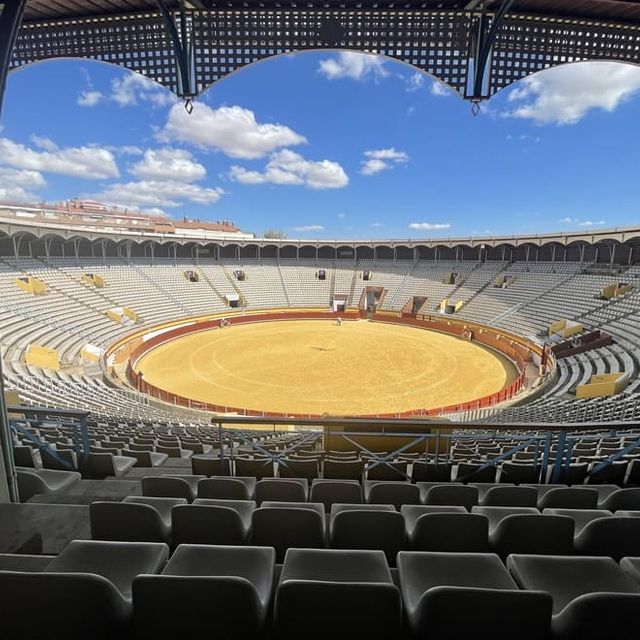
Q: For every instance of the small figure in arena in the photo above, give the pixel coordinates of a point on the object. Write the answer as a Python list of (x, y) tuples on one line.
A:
[(339, 321)]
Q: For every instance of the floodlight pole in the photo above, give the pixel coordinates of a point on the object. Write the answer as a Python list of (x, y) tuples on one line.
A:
[(10, 21)]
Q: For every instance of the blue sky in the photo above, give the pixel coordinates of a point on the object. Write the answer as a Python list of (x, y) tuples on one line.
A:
[(332, 145)]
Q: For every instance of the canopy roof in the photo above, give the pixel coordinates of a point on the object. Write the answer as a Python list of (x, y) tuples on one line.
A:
[(606, 10)]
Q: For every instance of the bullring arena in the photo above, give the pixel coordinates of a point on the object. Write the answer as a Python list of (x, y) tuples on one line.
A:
[(316, 367)]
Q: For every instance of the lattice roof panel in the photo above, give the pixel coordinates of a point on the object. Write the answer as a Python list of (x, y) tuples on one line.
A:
[(606, 10)]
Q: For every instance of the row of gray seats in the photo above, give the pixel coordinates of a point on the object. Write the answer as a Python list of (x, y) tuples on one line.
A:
[(608, 497), (109, 591), (285, 525)]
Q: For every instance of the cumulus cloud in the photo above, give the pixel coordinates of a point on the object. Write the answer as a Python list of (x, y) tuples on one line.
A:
[(289, 167), (168, 164), (415, 82), (565, 94), (379, 160), (89, 98), (79, 162), (156, 193), (16, 185), (309, 227), (354, 66), (429, 226), (232, 130), (440, 89), (134, 88), (43, 143), (582, 223)]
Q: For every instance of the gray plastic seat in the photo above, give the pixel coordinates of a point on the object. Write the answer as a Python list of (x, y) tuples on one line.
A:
[(376, 527), (389, 471), (103, 465), (234, 488), (258, 468), (519, 473), (592, 597), (280, 489), (343, 470), (422, 471), (339, 594), (23, 456), (227, 587), (210, 466), (627, 499), (395, 493), (631, 566), (81, 605), (496, 514), (529, 533), (510, 497), (329, 492), (441, 531), (163, 506), (613, 537), (146, 458), (118, 562), (209, 521), (455, 595), (475, 472), (288, 468), (37, 481), (171, 486), (580, 517), (455, 494), (569, 498), (284, 526), (129, 521)]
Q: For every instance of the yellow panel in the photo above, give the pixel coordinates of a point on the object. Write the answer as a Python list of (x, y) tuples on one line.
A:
[(116, 317), (44, 357)]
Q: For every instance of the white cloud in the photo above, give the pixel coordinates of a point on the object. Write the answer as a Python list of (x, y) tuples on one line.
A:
[(582, 223), (591, 223), (134, 88), (341, 215), (429, 226), (381, 159), (16, 185), (43, 143), (309, 227), (415, 82), (232, 130), (565, 94), (377, 225), (89, 98), (352, 65), (440, 89), (168, 164), (154, 193), (288, 167), (80, 162)]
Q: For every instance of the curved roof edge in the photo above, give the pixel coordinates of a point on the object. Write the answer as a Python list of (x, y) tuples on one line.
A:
[(22, 227)]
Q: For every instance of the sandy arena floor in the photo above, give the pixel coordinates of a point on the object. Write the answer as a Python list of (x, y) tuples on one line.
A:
[(314, 366)]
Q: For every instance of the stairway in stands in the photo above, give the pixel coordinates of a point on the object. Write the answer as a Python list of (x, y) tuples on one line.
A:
[(202, 274)]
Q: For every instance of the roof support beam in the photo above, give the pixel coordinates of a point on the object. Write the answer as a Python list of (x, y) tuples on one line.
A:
[(182, 48), (484, 37), (10, 21)]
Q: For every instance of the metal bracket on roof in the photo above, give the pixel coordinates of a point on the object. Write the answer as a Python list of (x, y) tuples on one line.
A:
[(179, 31), (10, 21), (484, 34)]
